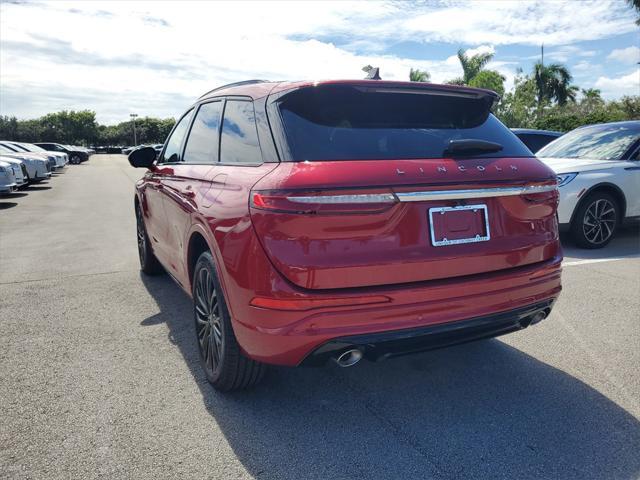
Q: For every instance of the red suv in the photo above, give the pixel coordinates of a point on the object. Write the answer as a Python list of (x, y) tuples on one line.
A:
[(347, 219)]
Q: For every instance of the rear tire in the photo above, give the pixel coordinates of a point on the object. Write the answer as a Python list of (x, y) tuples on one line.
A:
[(595, 221), (75, 160), (224, 364), (149, 264)]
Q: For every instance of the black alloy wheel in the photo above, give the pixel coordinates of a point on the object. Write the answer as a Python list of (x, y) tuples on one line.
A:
[(148, 262), (596, 221), (222, 360)]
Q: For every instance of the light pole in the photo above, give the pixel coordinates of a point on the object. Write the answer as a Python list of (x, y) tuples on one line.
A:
[(133, 117)]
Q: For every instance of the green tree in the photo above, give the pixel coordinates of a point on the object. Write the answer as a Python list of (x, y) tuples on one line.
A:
[(553, 83), (419, 75), (489, 79), (8, 127), (635, 4), (591, 100), (517, 107), (471, 66)]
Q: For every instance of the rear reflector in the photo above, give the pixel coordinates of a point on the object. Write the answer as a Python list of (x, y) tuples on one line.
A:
[(309, 304)]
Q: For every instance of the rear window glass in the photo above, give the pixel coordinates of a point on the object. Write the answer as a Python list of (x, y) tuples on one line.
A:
[(352, 123)]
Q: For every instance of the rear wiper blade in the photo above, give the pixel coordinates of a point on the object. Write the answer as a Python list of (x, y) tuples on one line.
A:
[(470, 146)]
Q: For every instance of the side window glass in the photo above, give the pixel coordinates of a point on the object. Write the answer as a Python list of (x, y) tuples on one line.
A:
[(202, 144), (239, 139), (174, 142)]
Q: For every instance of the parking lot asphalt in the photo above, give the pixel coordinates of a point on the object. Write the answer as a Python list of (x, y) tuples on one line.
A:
[(99, 374)]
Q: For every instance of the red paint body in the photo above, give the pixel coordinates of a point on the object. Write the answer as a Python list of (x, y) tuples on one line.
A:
[(386, 255)]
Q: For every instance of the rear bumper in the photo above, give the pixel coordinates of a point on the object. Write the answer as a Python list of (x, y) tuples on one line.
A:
[(288, 337), (378, 346), (7, 188)]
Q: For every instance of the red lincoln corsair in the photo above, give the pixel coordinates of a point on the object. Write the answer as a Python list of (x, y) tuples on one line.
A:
[(345, 220)]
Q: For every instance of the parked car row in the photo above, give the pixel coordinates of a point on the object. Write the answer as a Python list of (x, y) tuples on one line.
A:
[(23, 163), (107, 148), (157, 147)]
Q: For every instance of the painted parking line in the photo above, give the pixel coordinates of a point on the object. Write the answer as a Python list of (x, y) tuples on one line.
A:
[(597, 260)]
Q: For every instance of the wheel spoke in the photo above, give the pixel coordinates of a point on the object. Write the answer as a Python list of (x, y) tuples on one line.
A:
[(213, 351), (200, 312), (606, 212)]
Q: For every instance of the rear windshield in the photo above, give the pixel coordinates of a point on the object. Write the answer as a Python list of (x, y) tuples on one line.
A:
[(354, 123)]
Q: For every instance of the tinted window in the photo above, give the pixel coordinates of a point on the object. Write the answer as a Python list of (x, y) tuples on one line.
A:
[(600, 142), (346, 122), (172, 151), (202, 144), (535, 142), (239, 139), (20, 147), (8, 148)]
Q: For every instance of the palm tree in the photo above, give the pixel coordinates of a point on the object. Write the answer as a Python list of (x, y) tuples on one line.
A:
[(635, 4), (553, 83), (419, 75), (471, 66)]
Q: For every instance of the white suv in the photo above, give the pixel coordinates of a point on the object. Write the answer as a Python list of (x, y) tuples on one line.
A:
[(598, 170)]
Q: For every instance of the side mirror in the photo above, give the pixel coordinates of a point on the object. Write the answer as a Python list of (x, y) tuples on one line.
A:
[(142, 157)]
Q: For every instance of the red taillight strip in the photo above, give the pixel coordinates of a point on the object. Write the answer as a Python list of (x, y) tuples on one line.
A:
[(302, 304), (473, 193), (341, 199)]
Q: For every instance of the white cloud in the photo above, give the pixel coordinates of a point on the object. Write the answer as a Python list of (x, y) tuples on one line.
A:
[(583, 66), (618, 86), (566, 53), (116, 57), (533, 22), (625, 55)]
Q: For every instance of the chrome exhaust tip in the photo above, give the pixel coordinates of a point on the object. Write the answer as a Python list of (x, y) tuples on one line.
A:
[(538, 317), (349, 358)]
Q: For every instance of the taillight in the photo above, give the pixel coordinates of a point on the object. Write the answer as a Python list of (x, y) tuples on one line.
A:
[(323, 201)]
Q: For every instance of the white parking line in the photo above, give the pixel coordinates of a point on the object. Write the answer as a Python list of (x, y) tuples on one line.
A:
[(597, 260)]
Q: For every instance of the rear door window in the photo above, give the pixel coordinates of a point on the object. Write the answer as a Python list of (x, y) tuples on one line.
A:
[(172, 152), (202, 144), (239, 138), (352, 123)]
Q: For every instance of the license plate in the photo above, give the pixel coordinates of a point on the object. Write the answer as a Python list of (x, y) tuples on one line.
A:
[(457, 225)]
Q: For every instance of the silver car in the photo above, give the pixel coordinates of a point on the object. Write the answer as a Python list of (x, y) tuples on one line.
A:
[(38, 169), (19, 170), (62, 159), (7, 178)]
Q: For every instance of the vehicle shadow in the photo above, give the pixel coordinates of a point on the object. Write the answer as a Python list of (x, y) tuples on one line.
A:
[(15, 194), (626, 243), (35, 188), (6, 205), (483, 410)]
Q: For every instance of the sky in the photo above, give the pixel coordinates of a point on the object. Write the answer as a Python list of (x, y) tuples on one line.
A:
[(156, 58)]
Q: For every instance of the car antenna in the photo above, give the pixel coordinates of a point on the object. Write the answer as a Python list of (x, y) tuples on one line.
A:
[(373, 74)]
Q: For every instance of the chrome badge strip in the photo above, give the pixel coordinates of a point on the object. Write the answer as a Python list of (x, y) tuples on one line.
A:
[(473, 193)]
